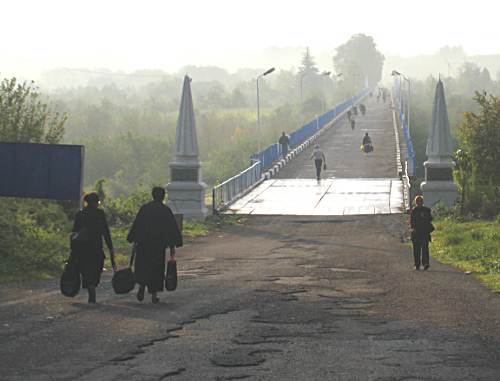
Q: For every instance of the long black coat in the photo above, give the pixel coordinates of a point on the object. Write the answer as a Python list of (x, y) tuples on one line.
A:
[(154, 229), (91, 256), (421, 223)]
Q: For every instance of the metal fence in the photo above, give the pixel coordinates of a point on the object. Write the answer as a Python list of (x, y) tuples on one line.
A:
[(406, 188), (223, 194), (411, 158)]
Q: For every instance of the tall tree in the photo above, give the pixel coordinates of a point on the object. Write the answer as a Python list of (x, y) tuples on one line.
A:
[(480, 136), (308, 65), (358, 59), (25, 118)]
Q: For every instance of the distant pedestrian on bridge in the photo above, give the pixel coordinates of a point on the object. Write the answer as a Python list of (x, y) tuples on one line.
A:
[(366, 145), (154, 229), (319, 160), (362, 108), (421, 228), (89, 228), (285, 142)]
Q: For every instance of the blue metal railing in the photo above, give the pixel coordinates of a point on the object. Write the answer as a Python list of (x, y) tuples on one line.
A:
[(227, 191), (271, 154), (411, 158)]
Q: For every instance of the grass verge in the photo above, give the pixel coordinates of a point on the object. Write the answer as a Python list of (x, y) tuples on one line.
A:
[(470, 246)]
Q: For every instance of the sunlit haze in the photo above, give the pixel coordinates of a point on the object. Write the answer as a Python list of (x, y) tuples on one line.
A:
[(129, 35)]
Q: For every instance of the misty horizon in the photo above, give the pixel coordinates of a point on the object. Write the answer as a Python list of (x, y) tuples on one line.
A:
[(123, 36)]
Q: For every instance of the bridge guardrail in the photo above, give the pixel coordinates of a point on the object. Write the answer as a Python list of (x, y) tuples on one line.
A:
[(403, 118), (406, 188), (226, 192)]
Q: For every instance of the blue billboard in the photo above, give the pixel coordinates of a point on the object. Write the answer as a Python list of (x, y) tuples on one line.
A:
[(51, 171)]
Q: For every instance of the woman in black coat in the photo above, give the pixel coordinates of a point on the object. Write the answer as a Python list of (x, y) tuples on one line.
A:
[(91, 225), (421, 228), (154, 229)]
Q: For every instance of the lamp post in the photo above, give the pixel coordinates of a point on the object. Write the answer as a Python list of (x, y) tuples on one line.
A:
[(269, 71), (401, 75)]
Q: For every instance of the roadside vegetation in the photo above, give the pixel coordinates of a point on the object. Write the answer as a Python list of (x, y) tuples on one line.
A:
[(472, 246)]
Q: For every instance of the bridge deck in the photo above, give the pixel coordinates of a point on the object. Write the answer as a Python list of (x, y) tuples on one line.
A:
[(354, 183), (330, 197)]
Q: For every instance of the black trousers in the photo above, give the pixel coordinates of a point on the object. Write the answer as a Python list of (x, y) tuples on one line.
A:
[(318, 163), (421, 252)]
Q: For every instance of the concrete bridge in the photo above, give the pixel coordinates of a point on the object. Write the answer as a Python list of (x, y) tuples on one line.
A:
[(354, 182)]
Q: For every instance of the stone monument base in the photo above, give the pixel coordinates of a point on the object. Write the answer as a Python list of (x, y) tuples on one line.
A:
[(187, 198), (438, 185), (439, 191)]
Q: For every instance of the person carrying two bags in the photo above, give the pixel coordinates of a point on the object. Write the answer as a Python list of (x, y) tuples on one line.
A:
[(153, 230)]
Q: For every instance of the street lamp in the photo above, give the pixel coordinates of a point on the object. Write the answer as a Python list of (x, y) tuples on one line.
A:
[(269, 71), (397, 73)]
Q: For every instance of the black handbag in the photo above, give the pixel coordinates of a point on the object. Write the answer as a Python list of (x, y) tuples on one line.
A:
[(123, 281), (171, 275), (70, 279)]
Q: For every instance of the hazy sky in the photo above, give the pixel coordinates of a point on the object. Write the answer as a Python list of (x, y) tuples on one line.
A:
[(128, 35)]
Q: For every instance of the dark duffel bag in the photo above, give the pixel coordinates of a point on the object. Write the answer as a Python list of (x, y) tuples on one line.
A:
[(123, 281), (70, 279), (171, 275)]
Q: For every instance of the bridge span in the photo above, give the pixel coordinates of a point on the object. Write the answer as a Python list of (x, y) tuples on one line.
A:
[(354, 182)]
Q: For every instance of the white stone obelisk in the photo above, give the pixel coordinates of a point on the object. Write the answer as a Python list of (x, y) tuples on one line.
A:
[(439, 185), (186, 190)]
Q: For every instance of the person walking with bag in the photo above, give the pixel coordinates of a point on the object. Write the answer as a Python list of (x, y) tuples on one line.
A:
[(284, 141), (421, 228), (154, 229), (319, 160), (89, 228)]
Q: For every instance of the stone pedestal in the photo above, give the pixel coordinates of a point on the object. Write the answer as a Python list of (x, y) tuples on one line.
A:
[(438, 185), (186, 193)]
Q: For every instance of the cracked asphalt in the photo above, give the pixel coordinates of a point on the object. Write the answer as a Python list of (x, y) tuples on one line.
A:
[(274, 298)]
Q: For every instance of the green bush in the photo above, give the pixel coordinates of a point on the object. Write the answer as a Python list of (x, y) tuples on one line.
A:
[(34, 236)]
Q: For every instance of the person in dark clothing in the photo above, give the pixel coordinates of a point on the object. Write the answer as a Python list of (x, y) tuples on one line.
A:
[(154, 229), (284, 141), (362, 108), (91, 222), (367, 143), (421, 228), (353, 124)]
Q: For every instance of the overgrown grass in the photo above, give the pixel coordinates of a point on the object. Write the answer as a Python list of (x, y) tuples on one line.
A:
[(470, 246)]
